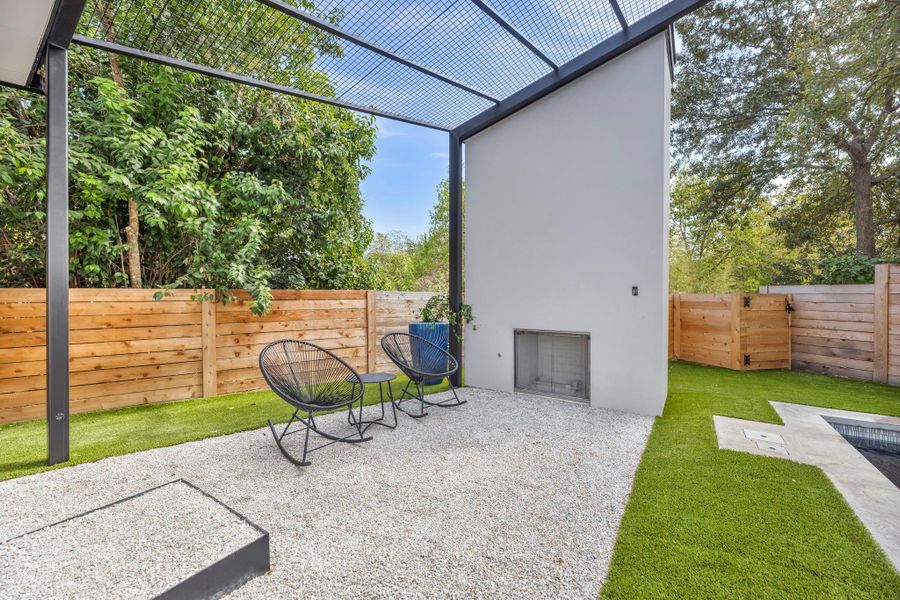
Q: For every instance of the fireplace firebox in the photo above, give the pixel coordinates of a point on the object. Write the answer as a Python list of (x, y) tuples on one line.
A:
[(553, 363)]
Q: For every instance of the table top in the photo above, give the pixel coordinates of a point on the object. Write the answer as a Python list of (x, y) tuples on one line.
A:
[(376, 377)]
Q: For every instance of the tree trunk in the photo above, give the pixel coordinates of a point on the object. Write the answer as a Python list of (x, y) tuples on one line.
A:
[(134, 250), (864, 220), (132, 231)]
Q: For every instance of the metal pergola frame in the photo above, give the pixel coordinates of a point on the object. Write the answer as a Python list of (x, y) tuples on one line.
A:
[(53, 55)]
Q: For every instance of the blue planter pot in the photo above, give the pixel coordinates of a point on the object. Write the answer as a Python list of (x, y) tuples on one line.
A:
[(436, 333)]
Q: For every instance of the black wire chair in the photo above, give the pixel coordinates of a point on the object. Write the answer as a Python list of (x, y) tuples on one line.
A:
[(421, 361), (311, 379)]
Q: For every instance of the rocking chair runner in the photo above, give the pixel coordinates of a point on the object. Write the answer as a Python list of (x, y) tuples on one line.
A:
[(311, 379), (421, 361)]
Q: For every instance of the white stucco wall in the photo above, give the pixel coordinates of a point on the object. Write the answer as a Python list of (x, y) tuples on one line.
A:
[(566, 210)]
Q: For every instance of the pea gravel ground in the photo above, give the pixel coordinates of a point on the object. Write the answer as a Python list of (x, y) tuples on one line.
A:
[(77, 556), (508, 496)]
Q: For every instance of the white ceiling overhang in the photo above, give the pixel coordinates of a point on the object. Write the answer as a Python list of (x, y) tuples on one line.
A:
[(23, 29)]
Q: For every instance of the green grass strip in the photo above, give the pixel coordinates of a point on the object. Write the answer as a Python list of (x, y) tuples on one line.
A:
[(23, 446), (707, 523)]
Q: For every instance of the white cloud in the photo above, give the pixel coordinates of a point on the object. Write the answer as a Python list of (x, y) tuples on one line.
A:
[(386, 131)]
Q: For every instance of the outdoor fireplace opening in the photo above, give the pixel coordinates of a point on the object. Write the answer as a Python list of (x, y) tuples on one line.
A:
[(553, 363)]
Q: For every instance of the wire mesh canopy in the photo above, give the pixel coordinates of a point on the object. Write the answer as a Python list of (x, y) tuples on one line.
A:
[(439, 63)]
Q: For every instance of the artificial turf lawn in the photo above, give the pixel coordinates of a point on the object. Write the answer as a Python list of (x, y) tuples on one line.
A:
[(23, 446), (707, 523)]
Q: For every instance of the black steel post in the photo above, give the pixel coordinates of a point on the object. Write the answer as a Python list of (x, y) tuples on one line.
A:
[(57, 257), (456, 249)]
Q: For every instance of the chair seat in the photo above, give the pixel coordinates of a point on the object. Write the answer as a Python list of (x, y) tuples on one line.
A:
[(422, 361), (311, 379)]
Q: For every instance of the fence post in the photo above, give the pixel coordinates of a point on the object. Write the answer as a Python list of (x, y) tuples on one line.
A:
[(735, 328), (790, 312), (676, 326), (371, 332), (881, 323), (208, 337)]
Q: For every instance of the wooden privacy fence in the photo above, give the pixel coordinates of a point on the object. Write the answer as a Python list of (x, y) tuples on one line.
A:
[(127, 348), (744, 332), (848, 330)]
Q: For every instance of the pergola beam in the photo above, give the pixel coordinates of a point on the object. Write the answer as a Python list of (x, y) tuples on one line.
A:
[(619, 14), (65, 22), (243, 79), (613, 46), (333, 29), (490, 12)]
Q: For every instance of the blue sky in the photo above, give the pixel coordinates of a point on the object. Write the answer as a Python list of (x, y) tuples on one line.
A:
[(406, 170)]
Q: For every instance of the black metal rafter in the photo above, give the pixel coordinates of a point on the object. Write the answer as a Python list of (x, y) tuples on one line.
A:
[(242, 79), (333, 29), (490, 12), (63, 20), (619, 14), (670, 47), (613, 46)]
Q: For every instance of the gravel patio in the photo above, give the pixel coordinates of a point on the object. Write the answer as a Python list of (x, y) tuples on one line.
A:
[(506, 496)]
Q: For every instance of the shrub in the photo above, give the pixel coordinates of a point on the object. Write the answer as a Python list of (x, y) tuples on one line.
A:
[(438, 310), (852, 268)]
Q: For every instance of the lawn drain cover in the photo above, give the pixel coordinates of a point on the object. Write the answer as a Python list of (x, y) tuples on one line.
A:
[(763, 436), (773, 448), (171, 541)]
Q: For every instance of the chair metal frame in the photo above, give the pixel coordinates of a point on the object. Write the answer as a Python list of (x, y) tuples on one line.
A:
[(380, 420), (418, 377), (304, 410)]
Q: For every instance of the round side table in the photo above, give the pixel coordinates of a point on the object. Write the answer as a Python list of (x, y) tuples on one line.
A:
[(380, 379)]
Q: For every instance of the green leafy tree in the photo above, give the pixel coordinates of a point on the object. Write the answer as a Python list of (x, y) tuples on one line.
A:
[(417, 265), (806, 95), (721, 239), (851, 268), (431, 254), (233, 187), (390, 257)]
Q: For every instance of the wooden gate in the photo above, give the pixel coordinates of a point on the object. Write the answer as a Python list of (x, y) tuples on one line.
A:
[(744, 332)]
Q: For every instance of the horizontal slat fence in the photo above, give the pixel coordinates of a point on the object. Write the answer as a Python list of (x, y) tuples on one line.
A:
[(832, 329), (847, 330), (890, 343), (765, 332), (703, 329), (335, 320), (744, 332), (127, 348), (393, 312)]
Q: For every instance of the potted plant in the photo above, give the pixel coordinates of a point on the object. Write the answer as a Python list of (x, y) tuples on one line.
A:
[(435, 320)]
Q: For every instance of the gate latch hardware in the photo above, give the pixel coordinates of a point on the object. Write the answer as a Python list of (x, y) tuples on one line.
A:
[(788, 307)]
